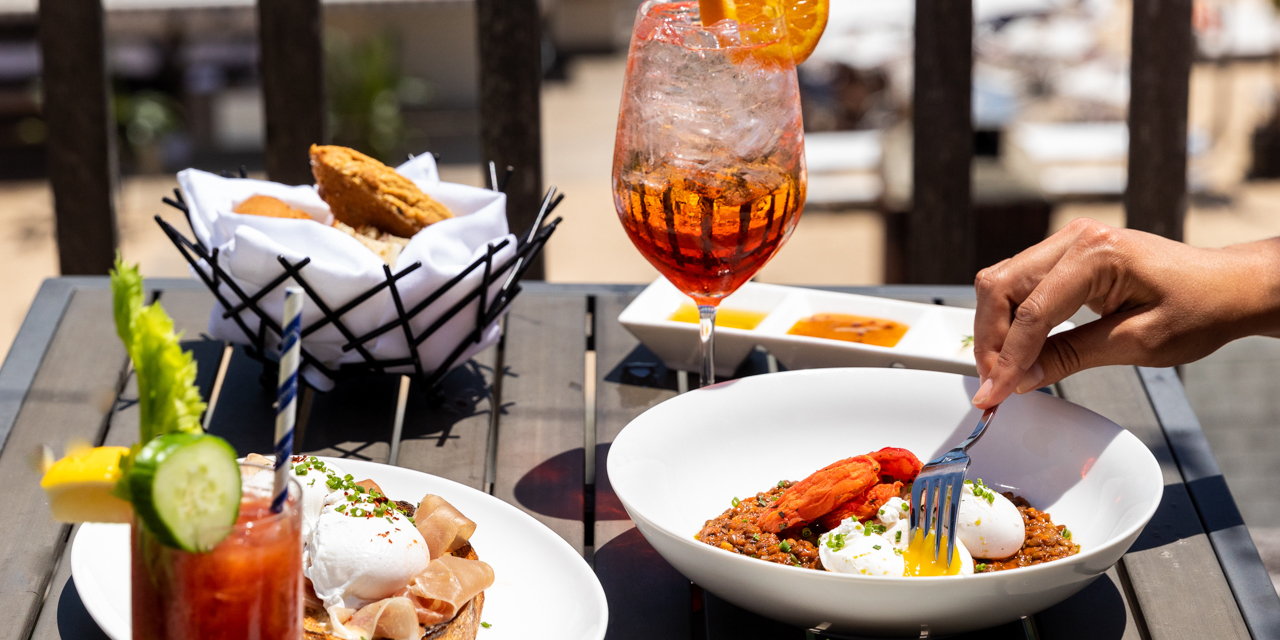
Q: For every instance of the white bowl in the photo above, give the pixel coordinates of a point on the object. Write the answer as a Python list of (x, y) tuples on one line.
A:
[(681, 462)]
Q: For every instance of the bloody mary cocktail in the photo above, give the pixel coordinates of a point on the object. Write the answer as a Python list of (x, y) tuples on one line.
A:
[(248, 587)]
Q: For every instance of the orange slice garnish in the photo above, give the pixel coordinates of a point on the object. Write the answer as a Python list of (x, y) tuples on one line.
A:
[(806, 20)]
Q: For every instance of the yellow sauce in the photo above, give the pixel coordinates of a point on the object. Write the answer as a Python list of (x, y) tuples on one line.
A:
[(850, 328), (920, 561), (731, 318)]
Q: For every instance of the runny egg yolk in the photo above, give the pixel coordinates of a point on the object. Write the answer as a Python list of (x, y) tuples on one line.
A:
[(920, 561)]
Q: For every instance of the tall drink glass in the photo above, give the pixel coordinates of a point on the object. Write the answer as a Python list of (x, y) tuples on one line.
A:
[(708, 165), (248, 587)]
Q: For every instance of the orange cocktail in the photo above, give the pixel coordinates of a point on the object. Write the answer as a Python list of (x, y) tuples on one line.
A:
[(708, 166), (248, 587)]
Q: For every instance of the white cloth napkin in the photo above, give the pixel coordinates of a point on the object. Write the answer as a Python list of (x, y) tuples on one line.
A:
[(341, 268)]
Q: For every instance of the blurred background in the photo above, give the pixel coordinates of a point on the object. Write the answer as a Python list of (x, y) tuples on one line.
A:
[(1050, 98)]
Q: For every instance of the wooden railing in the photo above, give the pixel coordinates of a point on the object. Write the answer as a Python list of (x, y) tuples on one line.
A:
[(941, 233), (941, 225)]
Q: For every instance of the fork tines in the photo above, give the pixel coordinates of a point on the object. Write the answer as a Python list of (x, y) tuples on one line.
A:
[(941, 481)]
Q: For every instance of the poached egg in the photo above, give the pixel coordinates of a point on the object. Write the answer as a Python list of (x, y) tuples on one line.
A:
[(883, 547), (359, 553), (989, 525)]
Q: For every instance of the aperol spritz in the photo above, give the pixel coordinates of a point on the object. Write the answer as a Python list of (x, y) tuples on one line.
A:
[(708, 166)]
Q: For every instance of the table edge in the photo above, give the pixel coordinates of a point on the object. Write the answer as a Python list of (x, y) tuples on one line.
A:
[(29, 346), (1241, 563)]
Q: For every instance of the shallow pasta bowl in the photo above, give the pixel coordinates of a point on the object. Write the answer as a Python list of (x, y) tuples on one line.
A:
[(683, 461)]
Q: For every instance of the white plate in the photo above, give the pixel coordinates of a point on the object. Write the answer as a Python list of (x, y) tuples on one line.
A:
[(935, 340), (543, 590), (681, 462)]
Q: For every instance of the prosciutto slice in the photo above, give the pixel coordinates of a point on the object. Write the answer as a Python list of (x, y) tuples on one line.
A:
[(443, 527), (393, 618), (447, 584)]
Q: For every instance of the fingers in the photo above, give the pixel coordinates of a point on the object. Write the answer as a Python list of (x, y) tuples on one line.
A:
[(1076, 279), (1003, 287), (1093, 344)]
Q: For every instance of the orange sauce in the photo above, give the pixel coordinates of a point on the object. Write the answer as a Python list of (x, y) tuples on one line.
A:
[(731, 318), (850, 328)]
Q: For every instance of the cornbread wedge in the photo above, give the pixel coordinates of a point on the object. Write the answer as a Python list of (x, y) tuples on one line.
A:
[(363, 192)]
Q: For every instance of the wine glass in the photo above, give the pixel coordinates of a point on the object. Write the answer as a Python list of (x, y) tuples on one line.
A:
[(708, 166)]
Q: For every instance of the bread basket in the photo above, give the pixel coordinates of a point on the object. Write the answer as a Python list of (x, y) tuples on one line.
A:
[(407, 320)]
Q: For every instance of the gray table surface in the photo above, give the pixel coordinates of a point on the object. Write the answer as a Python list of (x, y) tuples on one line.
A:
[(572, 377)]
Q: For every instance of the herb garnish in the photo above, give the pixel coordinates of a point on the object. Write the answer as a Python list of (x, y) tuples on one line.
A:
[(835, 541), (980, 490)]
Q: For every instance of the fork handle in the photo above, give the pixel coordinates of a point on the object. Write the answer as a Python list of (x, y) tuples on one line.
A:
[(979, 430)]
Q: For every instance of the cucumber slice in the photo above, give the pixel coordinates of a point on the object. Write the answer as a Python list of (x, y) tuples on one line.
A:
[(186, 489)]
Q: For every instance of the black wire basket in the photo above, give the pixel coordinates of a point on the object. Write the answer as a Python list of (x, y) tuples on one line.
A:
[(489, 309)]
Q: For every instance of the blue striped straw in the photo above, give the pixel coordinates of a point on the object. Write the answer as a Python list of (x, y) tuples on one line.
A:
[(287, 396)]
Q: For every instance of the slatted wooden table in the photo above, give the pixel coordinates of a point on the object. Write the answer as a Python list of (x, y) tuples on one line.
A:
[(538, 435)]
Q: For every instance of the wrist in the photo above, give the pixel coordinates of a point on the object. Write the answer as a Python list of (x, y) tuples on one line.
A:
[(1253, 282)]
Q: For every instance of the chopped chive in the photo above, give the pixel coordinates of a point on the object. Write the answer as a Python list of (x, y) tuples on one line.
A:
[(876, 547), (735, 502), (784, 546), (485, 625)]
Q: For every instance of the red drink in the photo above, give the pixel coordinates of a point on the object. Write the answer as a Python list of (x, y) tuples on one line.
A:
[(249, 587), (708, 165), (705, 238)]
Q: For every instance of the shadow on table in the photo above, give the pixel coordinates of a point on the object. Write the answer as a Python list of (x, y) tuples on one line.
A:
[(647, 597), (1169, 523), (464, 393), (74, 620), (554, 488), (641, 368), (1106, 617), (1102, 600)]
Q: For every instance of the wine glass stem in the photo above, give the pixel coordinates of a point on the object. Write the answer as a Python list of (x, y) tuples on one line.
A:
[(706, 326)]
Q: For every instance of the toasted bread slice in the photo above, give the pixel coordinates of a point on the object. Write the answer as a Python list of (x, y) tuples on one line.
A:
[(364, 192), (269, 207), (464, 626)]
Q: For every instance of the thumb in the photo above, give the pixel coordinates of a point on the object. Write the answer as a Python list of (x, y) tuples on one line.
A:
[(1093, 344)]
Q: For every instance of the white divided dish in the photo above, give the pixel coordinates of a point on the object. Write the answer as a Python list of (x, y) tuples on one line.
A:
[(543, 588), (935, 340), (681, 462)]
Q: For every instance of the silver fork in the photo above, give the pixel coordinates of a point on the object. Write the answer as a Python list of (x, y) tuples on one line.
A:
[(942, 479)]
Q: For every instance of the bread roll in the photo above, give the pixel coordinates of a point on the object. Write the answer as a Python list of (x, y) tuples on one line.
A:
[(363, 192)]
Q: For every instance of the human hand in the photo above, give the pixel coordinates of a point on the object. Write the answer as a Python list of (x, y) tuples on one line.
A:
[(1162, 303)]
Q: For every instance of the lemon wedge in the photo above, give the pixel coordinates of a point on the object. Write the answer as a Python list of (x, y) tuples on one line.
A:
[(79, 486)]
